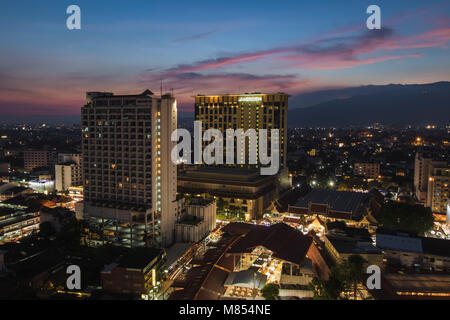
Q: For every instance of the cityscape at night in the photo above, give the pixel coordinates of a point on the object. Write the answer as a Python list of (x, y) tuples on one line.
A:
[(258, 154)]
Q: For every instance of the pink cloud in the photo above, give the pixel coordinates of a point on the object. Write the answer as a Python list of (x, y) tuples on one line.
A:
[(187, 84), (345, 64)]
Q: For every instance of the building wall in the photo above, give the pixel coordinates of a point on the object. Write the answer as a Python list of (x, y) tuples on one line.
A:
[(16, 230), (438, 189), (34, 159), (164, 170), (367, 169), (66, 157), (410, 259), (423, 168), (126, 159), (320, 266), (67, 176), (4, 168), (256, 111), (244, 196), (122, 280), (302, 276), (186, 232)]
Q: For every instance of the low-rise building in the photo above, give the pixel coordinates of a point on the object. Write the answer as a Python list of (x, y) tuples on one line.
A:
[(11, 190), (39, 158), (240, 193), (369, 170), (137, 273), (197, 220), (416, 286), (341, 242), (403, 249), (438, 189), (5, 168), (332, 205), (248, 256), (17, 222), (68, 173)]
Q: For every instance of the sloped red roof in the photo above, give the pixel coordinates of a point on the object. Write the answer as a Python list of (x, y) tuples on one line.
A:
[(285, 242), (291, 219), (318, 208), (298, 210), (339, 215)]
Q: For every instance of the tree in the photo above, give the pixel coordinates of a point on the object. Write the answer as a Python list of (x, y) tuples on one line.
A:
[(407, 217), (354, 269), (46, 229), (344, 276), (270, 291), (330, 289), (70, 234)]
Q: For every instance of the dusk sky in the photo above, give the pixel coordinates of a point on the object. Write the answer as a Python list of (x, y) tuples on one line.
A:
[(212, 47)]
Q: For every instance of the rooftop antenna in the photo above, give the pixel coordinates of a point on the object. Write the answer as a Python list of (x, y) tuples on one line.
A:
[(161, 87)]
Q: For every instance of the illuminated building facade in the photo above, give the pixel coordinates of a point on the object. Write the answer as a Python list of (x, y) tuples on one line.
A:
[(68, 171), (246, 111), (369, 170), (38, 158), (423, 167), (129, 179), (439, 189), (137, 273), (240, 193)]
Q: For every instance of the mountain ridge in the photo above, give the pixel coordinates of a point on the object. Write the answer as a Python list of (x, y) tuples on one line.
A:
[(388, 104)]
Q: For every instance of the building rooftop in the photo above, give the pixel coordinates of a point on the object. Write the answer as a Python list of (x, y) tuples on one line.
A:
[(240, 94), (102, 95), (285, 242), (200, 202), (342, 201), (400, 241), (139, 258), (341, 230), (206, 279), (241, 175), (353, 246), (429, 283), (190, 220), (246, 278), (13, 190), (439, 247)]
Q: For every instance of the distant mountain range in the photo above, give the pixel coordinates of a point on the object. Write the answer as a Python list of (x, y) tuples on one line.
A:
[(387, 104)]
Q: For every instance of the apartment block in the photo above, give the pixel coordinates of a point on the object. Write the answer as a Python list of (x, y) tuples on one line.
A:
[(39, 158), (68, 171), (368, 170), (423, 167), (438, 192), (197, 221)]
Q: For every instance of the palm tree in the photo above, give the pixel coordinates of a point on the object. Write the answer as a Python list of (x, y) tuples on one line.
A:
[(355, 264), (270, 291)]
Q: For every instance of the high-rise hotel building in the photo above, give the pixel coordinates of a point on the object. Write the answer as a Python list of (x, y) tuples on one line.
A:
[(129, 179), (245, 111)]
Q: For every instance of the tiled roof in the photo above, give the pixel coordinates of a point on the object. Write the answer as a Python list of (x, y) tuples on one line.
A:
[(285, 242)]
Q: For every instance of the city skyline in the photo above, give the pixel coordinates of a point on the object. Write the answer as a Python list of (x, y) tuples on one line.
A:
[(230, 48)]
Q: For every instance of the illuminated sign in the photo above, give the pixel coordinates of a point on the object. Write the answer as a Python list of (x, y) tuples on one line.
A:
[(248, 99)]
